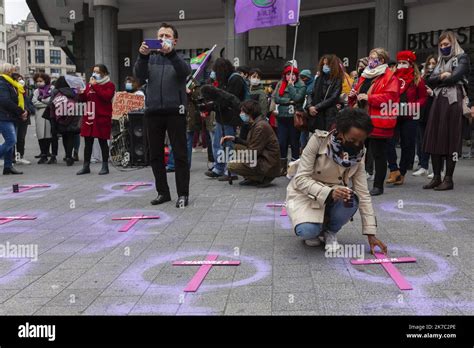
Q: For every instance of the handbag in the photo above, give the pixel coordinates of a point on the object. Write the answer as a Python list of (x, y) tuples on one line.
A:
[(300, 121), (466, 111)]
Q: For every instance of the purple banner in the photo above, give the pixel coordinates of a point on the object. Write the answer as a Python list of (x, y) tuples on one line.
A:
[(251, 14)]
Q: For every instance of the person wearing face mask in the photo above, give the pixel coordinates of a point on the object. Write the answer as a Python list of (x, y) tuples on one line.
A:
[(97, 123), (376, 90), (289, 95), (262, 141), (257, 91), (443, 134), (132, 85), (412, 99), (165, 111), (322, 103), (12, 109), (319, 200), (22, 125), (423, 157), (41, 99)]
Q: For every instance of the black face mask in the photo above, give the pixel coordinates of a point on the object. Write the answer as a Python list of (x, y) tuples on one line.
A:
[(351, 148)]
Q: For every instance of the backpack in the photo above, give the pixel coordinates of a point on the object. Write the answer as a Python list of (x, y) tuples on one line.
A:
[(246, 86)]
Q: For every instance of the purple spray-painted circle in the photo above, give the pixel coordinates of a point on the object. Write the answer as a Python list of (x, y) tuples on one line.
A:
[(262, 270), (118, 190), (443, 272), (393, 208), (7, 193)]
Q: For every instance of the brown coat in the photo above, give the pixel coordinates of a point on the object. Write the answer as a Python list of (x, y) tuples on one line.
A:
[(317, 175), (262, 138)]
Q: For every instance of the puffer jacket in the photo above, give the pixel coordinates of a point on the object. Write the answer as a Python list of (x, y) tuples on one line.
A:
[(9, 109), (291, 100)]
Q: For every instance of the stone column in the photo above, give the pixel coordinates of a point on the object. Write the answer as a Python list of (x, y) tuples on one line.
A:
[(389, 26), (236, 45)]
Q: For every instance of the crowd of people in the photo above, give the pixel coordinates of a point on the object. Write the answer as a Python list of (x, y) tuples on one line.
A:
[(323, 129)]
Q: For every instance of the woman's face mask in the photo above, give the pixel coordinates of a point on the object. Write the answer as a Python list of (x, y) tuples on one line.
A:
[(351, 147), (97, 76), (446, 51), (129, 86), (254, 81), (373, 63), (40, 84), (212, 75), (326, 69), (244, 117), (22, 82), (403, 66)]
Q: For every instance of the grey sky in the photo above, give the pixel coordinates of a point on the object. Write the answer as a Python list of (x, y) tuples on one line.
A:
[(15, 11)]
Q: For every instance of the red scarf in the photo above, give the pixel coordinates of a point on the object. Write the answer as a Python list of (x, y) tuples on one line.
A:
[(406, 77), (284, 82)]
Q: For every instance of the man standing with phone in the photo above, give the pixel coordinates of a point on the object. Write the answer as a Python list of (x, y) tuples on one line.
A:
[(165, 111)]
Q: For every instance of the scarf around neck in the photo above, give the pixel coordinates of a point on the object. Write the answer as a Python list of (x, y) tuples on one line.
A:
[(19, 89), (45, 91), (406, 77), (377, 71), (336, 152), (104, 80)]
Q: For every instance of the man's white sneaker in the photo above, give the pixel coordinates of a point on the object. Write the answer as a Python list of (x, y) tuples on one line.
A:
[(331, 242), (23, 161), (313, 242), (420, 172)]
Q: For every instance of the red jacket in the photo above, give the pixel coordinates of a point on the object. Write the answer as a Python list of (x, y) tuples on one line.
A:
[(416, 96), (383, 95), (97, 122)]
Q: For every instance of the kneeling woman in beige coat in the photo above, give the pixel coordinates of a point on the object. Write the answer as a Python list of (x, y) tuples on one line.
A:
[(319, 201)]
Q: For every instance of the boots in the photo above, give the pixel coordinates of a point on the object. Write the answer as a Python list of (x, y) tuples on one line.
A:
[(85, 169), (393, 177), (105, 168), (436, 181), (283, 166), (447, 184)]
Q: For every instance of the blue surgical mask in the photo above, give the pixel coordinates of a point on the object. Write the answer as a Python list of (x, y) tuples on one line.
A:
[(244, 117), (326, 69), (446, 51), (97, 76), (213, 75), (129, 86)]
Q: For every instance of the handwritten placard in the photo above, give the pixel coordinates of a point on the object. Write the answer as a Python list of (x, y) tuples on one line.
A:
[(125, 102)]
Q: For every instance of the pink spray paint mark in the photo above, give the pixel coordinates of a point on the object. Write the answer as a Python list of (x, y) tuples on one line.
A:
[(133, 221), (24, 188), (133, 186), (7, 219), (388, 264), (279, 205), (202, 272)]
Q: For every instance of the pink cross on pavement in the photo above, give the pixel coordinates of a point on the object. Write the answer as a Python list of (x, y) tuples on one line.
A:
[(133, 221), (134, 185), (23, 188), (7, 219), (206, 265), (388, 264), (283, 208)]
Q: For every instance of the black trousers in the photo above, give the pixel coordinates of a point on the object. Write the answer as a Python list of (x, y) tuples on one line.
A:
[(89, 142), (68, 143), (156, 126), (379, 152), (21, 129)]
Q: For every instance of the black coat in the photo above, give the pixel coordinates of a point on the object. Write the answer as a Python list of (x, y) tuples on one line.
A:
[(67, 124), (325, 96), (9, 109), (227, 105)]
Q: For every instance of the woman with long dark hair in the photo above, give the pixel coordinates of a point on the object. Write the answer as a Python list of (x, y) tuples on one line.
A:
[(97, 123), (327, 89), (443, 135)]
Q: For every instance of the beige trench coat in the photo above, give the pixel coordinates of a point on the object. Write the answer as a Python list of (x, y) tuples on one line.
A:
[(317, 175)]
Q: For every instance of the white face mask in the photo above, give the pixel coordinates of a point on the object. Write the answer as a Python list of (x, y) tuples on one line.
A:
[(254, 81), (22, 82), (403, 66)]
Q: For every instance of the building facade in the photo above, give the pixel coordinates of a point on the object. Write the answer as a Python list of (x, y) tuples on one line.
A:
[(110, 31), (32, 49), (3, 33)]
